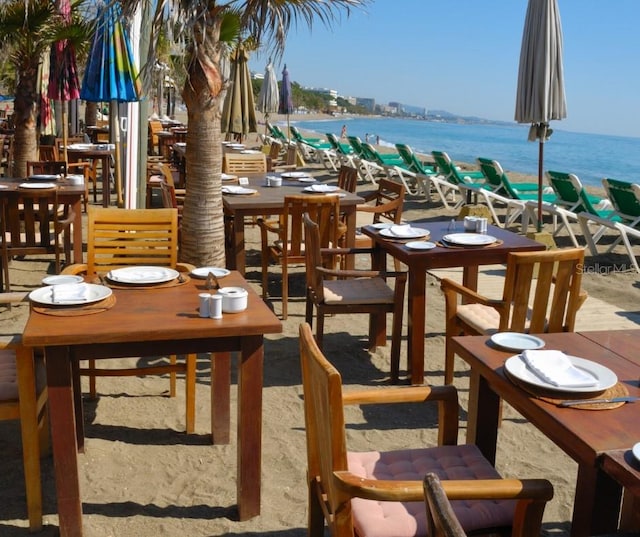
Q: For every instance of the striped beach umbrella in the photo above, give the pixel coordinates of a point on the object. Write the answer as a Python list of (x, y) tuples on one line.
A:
[(540, 95), (111, 75), (64, 85), (286, 97)]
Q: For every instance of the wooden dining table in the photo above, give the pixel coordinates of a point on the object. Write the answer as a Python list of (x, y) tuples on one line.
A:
[(270, 201), (584, 435), (156, 322), (420, 261), (67, 193)]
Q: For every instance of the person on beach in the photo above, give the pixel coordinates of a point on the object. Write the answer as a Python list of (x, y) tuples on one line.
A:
[(343, 134)]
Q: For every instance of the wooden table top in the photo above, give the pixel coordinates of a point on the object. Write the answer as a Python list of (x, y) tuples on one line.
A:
[(443, 257), (63, 185), (150, 314), (273, 197), (582, 434)]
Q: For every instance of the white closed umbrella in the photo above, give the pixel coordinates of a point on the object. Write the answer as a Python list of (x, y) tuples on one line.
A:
[(540, 94), (269, 97)]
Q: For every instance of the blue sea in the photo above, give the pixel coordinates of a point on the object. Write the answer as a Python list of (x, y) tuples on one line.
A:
[(590, 156)]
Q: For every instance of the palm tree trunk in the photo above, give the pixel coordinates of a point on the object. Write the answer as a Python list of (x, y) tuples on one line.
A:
[(202, 217), (25, 142)]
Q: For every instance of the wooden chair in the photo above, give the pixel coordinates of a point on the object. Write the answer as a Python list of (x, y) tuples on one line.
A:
[(154, 128), (47, 167), (288, 247), (161, 172), (118, 238), (89, 170), (288, 162), (332, 291), (385, 205), (363, 492), (528, 304), (244, 163), (441, 517), (32, 222), (348, 178), (23, 396)]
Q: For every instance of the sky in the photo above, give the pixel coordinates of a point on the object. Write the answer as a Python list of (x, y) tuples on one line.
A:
[(462, 56)]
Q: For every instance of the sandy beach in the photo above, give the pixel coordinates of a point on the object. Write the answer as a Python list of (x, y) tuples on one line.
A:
[(141, 476)]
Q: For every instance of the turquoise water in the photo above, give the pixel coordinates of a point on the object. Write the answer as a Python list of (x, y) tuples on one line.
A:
[(590, 156)]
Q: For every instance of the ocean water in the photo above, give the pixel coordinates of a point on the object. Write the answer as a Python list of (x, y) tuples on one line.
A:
[(590, 156)]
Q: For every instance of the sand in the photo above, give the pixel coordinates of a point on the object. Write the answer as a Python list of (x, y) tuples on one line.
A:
[(141, 476)]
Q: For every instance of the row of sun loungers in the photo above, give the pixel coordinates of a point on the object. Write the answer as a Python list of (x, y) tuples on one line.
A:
[(563, 197)]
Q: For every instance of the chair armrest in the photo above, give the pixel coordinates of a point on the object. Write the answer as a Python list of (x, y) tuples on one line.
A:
[(445, 396), (451, 288), (348, 273)]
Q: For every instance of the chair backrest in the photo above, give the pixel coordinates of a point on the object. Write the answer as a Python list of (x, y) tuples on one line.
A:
[(567, 188), (47, 167), (48, 152), (155, 127), (441, 519), (119, 238), (496, 177), (410, 159), (554, 307), (447, 167), (168, 193), (338, 146), (371, 153), (324, 419), (390, 195), (625, 198), (297, 135), (245, 163), (29, 222), (356, 144), (348, 178)]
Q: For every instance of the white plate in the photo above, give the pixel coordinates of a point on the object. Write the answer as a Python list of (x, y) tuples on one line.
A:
[(381, 225), (306, 180), (37, 186), (294, 175), (250, 152), (408, 233), (238, 190), (142, 275), (420, 245), (82, 147), (228, 177), (515, 341), (43, 295), (469, 239), (604, 376), (636, 451), (321, 188), (203, 272), (60, 279), (43, 177)]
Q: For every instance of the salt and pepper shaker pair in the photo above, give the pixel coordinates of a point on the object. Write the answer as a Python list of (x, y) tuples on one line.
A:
[(210, 305)]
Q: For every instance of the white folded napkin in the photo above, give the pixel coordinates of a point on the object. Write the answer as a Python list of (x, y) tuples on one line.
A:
[(322, 188), (69, 292), (401, 230), (556, 368), (142, 274)]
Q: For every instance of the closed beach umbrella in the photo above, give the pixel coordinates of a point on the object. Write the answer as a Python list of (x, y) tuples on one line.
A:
[(46, 118), (540, 94), (239, 114), (63, 75), (269, 99), (111, 75), (286, 97)]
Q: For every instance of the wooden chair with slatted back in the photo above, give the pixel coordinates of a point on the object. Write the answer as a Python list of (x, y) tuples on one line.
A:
[(541, 294), (34, 222), (23, 396), (154, 128), (118, 238), (244, 163), (288, 246), (88, 170), (381, 493)]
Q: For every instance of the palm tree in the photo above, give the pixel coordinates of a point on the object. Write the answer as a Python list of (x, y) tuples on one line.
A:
[(204, 25), (28, 28)]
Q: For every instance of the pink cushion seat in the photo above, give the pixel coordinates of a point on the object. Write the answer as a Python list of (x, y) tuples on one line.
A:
[(408, 519)]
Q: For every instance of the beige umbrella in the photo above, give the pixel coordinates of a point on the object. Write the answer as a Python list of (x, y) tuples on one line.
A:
[(540, 94), (239, 113)]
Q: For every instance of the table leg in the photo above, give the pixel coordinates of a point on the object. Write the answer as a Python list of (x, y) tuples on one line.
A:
[(250, 379), (483, 416), (63, 441), (596, 505), (106, 186), (77, 230), (417, 315), (236, 261), (220, 397), (350, 236)]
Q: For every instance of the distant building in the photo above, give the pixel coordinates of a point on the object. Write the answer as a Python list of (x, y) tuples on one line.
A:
[(366, 102)]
